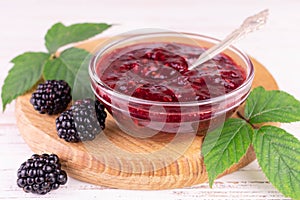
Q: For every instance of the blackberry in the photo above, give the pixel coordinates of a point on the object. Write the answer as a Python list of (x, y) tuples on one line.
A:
[(66, 128), (100, 113), (82, 122), (51, 97), (41, 173)]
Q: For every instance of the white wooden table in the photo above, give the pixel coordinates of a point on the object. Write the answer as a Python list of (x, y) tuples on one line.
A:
[(23, 25)]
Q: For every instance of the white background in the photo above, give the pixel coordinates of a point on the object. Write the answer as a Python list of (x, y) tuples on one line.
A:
[(23, 25)]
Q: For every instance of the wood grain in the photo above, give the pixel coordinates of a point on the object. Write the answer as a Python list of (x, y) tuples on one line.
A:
[(118, 160)]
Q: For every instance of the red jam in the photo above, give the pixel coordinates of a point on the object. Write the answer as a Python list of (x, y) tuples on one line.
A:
[(159, 72)]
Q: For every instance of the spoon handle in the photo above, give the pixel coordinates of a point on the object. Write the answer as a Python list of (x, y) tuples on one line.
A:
[(249, 25)]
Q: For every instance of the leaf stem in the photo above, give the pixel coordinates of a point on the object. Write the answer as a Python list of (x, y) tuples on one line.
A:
[(52, 56), (247, 120)]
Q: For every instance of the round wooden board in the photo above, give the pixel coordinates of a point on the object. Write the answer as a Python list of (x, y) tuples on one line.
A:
[(116, 159)]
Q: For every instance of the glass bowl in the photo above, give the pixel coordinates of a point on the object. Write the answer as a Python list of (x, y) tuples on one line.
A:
[(144, 118)]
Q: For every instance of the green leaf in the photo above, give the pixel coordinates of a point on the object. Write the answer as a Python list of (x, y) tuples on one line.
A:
[(225, 146), (27, 70), (278, 154), (271, 106), (71, 66), (59, 35)]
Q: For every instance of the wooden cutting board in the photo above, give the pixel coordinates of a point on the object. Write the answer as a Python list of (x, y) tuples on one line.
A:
[(116, 159)]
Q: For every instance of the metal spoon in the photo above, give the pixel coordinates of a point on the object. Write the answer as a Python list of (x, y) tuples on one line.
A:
[(249, 25)]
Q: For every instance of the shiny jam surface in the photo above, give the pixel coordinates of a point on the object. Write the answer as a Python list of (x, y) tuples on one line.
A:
[(159, 72)]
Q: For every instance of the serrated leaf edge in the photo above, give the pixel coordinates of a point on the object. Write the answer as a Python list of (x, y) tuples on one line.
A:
[(50, 50), (211, 181), (248, 115), (256, 134), (4, 103)]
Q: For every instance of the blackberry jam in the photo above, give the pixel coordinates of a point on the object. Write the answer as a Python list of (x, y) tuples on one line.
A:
[(147, 86)]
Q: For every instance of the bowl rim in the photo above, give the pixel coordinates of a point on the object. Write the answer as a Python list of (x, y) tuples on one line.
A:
[(93, 75)]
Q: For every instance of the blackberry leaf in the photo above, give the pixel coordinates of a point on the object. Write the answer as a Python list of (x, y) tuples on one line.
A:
[(225, 146), (278, 154), (271, 106), (27, 70), (59, 34), (72, 67)]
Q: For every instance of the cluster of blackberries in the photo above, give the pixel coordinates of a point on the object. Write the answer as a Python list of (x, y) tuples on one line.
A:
[(41, 173), (83, 121)]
